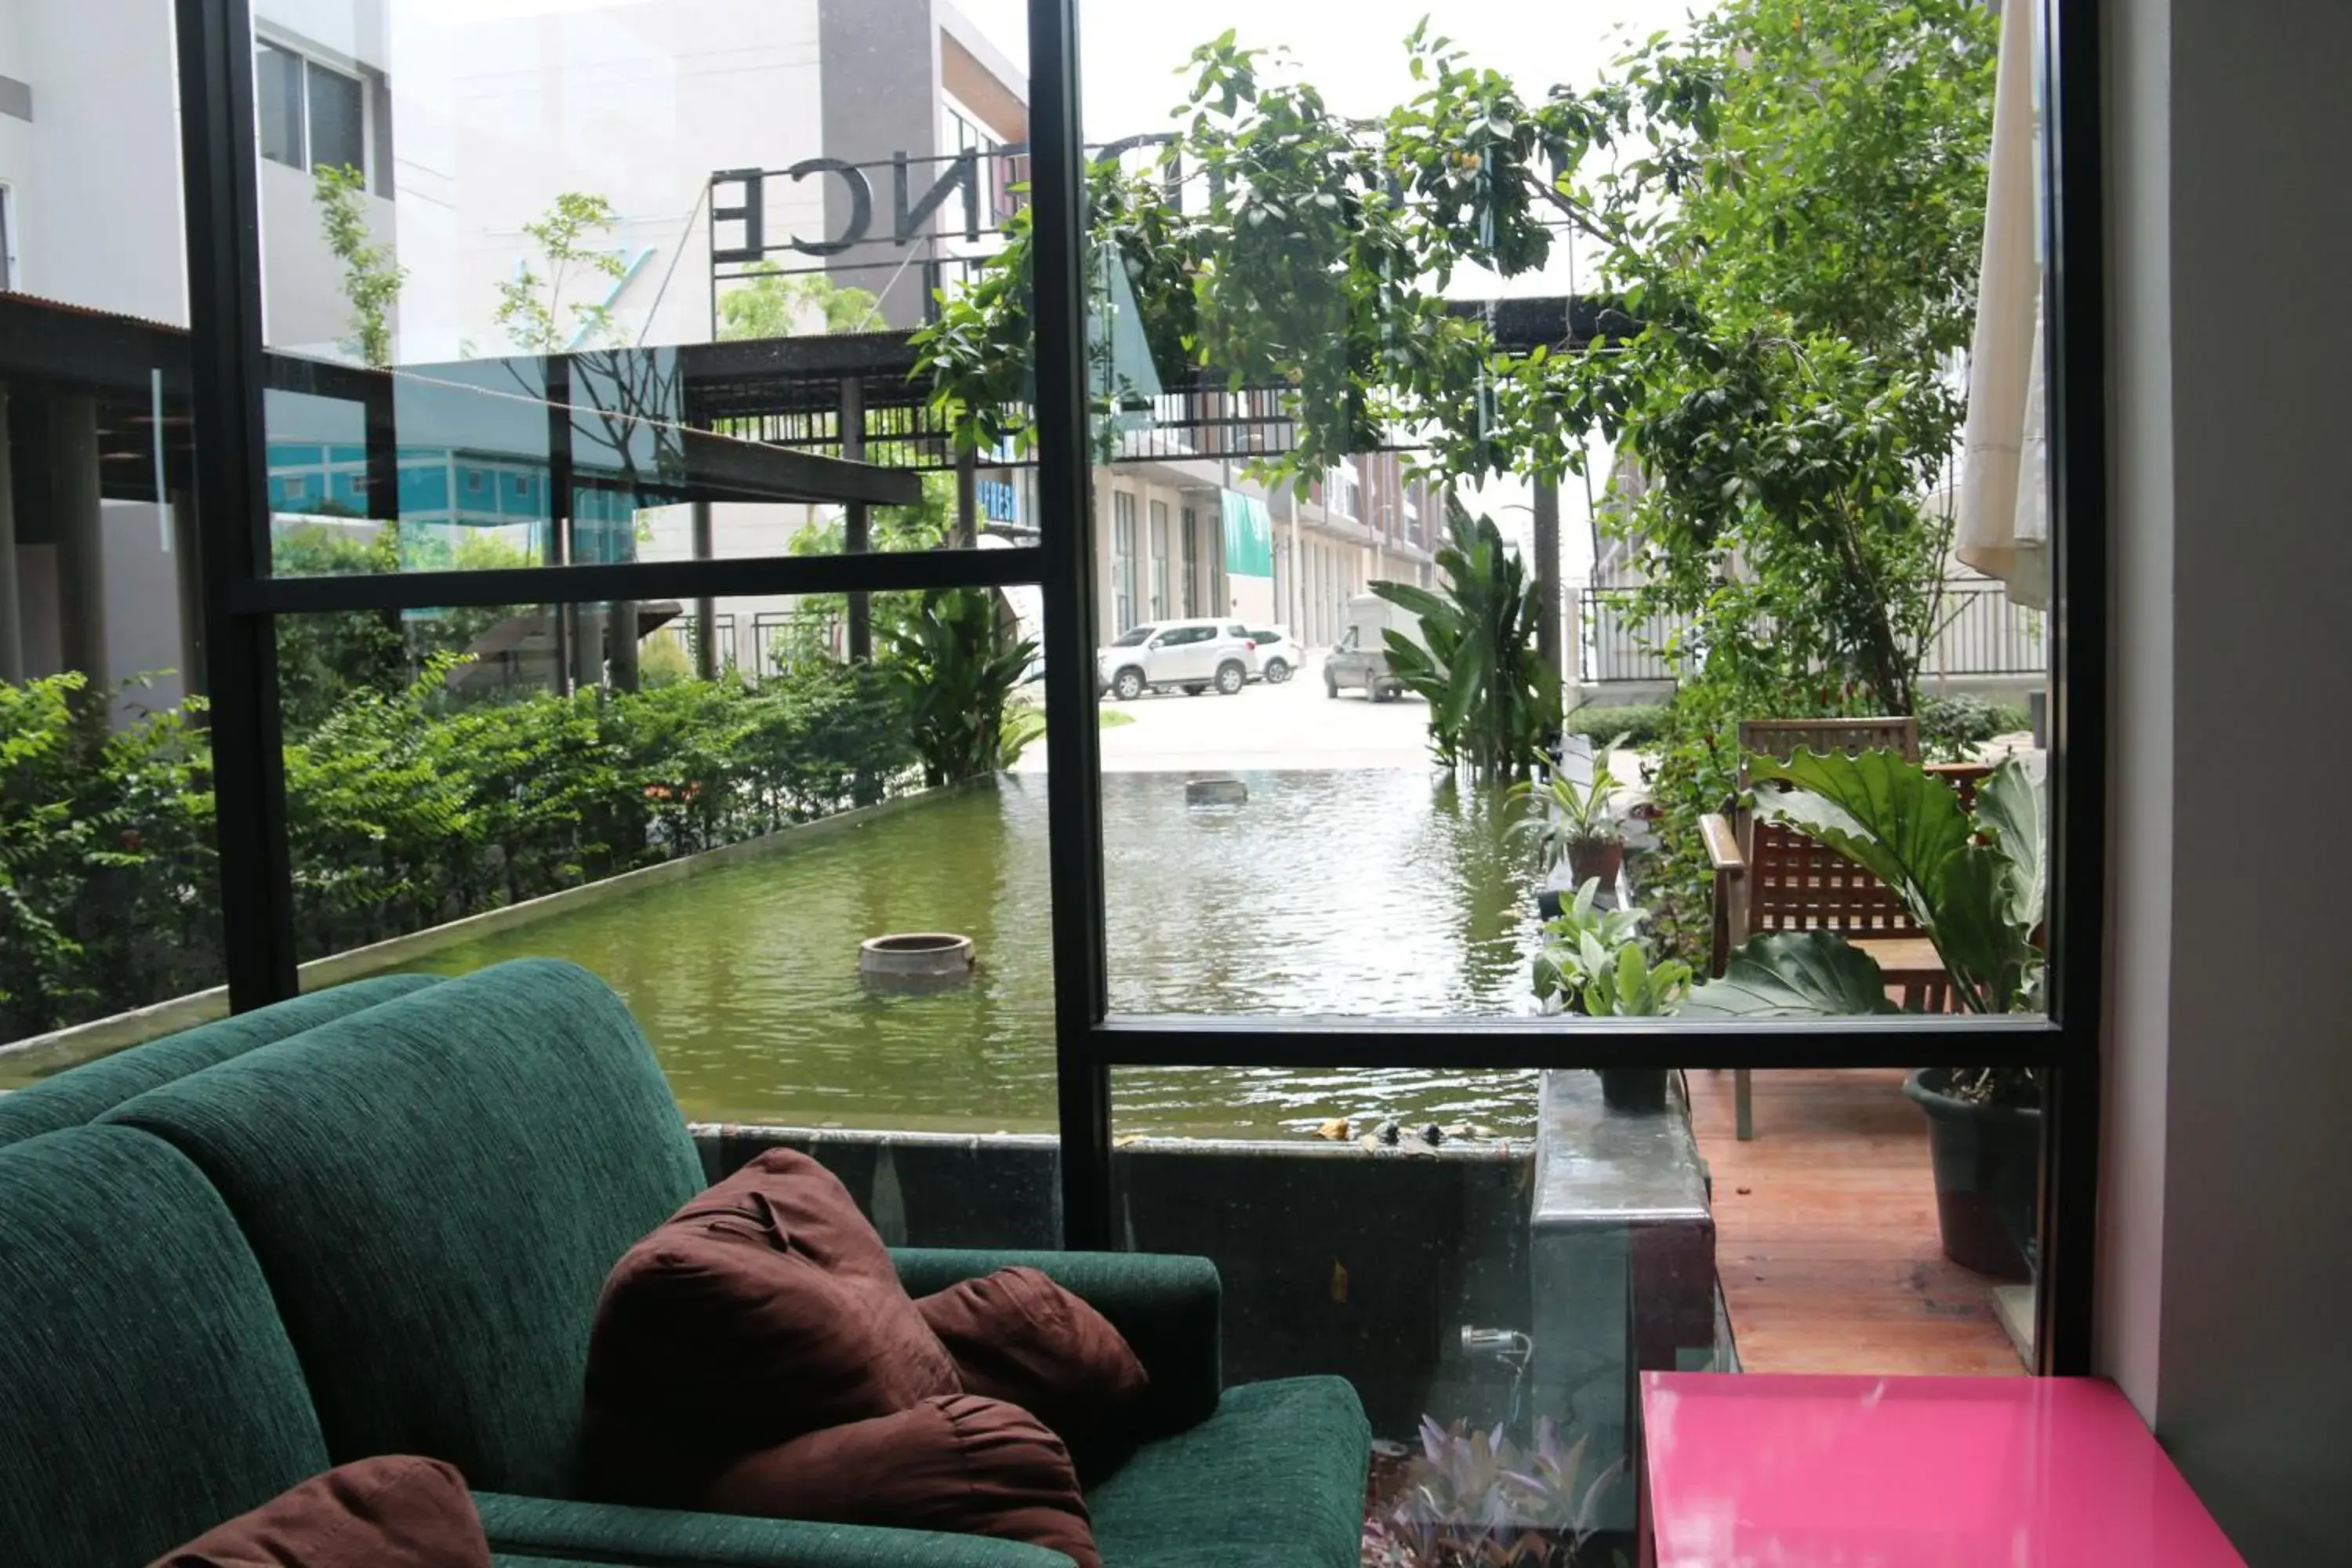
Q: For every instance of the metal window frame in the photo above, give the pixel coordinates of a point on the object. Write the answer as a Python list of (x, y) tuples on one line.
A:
[(241, 602)]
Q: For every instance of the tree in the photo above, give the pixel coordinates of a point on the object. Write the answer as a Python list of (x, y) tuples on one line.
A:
[(371, 279), (1784, 198), (771, 304)]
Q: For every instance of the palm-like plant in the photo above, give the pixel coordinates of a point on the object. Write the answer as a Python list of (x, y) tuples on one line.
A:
[(1491, 703), (958, 666)]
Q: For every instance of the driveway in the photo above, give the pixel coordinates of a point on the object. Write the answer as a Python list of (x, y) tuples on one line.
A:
[(1262, 728)]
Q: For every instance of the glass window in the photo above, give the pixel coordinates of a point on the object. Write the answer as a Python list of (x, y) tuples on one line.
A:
[(278, 88), (1160, 588), (111, 901), (1122, 558), (338, 134), (1132, 636), (560, 237)]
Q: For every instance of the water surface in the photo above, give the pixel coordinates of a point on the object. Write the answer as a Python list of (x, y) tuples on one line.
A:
[(1368, 893)]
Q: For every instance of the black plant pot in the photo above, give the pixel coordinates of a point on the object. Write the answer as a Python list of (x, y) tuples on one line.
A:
[(1633, 1088), (1988, 1160)]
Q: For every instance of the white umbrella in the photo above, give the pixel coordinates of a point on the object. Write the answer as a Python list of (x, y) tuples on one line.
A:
[(2004, 525)]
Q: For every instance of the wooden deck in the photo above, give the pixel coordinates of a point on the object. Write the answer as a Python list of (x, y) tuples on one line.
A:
[(1825, 1232)]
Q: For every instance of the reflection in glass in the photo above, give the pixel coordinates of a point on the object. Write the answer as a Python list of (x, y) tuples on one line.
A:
[(108, 871), (543, 332)]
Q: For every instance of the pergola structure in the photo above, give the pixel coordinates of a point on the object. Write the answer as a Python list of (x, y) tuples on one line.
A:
[(828, 419)]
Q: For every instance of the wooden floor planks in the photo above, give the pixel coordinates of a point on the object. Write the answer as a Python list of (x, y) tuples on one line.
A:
[(1825, 1232)]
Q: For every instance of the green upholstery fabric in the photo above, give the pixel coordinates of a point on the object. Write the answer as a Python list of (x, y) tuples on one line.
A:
[(605, 1533), (1275, 1479), (147, 1390), (1166, 1305), (436, 1189), (86, 1092)]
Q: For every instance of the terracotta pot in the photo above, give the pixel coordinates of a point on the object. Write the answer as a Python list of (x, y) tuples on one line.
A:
[(1586, 861)]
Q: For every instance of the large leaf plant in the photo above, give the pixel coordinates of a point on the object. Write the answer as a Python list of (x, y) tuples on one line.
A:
[(958, 666), (1974, 881), (1491, 705)]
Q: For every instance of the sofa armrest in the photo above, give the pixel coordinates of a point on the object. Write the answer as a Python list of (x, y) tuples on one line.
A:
[(1168, 1306), (529, 1527)]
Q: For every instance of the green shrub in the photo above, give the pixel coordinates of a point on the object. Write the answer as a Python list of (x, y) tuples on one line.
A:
[(1951, 728), (108, 880), (404, 809), (1643, 725)]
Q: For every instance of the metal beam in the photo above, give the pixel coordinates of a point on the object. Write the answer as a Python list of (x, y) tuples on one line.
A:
[(680, 580)]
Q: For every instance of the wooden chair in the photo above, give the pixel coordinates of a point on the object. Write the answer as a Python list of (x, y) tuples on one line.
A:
[(1770, 878)]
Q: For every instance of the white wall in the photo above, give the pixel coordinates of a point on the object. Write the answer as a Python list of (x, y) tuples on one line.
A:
[(638, 102), (2231, 1266), (97, 172)]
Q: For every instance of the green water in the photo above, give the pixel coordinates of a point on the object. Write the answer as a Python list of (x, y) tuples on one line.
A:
[(1363, 893)]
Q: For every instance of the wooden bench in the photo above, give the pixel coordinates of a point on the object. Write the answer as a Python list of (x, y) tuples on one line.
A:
[(1770, 878)]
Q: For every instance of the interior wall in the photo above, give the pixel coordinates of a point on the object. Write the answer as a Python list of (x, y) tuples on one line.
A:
[(2140, 800), (2253, 1372)]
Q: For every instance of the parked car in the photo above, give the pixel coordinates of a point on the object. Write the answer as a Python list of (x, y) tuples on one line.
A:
[(1278, 657), (1186, 656), (1360, 659)]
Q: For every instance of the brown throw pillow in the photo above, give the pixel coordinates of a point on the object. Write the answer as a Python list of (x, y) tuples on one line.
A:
[(764, 1309), (1018, 1336), (957, 1463), (395, 1511)]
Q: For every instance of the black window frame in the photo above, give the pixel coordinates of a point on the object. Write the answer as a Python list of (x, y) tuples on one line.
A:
[(241, 603)]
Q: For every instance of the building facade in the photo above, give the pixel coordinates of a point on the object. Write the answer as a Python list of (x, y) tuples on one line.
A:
[(732, 170)]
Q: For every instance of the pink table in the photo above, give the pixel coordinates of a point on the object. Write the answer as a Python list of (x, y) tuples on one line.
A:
[(1753, 1471)]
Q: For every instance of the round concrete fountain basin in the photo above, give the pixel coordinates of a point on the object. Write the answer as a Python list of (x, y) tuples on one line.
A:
[(916, 960)]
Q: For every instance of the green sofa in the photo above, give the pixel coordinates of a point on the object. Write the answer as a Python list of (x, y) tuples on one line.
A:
[(386, 1232)]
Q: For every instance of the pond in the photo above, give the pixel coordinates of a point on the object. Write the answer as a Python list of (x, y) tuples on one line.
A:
[(1368, 893)]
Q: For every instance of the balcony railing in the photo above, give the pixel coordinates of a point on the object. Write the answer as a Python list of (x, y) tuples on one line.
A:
[(1978, 632)]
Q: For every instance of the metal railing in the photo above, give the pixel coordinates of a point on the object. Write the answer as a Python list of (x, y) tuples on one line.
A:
[(1978, 632)]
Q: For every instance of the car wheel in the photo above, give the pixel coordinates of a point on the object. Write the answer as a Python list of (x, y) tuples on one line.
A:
[(1232, 676), (1380, 693), (1194, 690), (1330, 684), (1128, 685), (1277, 672)]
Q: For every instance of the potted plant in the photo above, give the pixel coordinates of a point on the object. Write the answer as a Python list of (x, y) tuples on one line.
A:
[(1973, 881), (1473, 1498), (1596, 963), (1581, 824)]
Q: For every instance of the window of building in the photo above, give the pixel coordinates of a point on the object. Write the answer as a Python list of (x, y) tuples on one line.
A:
[(311, 115), (1159, 601), (1344, 494), (1122, 558), (1191, 548)]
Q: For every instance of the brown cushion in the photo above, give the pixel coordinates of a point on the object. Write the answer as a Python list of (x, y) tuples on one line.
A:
[(395, 1511), (959, 1463), (764, 1309), (1018, 1336)]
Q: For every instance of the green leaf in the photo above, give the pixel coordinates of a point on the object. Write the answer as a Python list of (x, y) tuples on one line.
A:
[(1793, 974), (2009, 808), (1989, 954), (1887, 814)]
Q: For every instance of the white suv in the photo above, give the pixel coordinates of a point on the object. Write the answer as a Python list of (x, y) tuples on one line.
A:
[(1191, 655), (1277, 657)]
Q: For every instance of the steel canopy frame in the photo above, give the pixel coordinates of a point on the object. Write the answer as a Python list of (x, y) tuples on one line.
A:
[(228, 370)]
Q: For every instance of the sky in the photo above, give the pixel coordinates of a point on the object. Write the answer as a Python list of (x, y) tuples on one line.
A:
[(1132, 58)]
